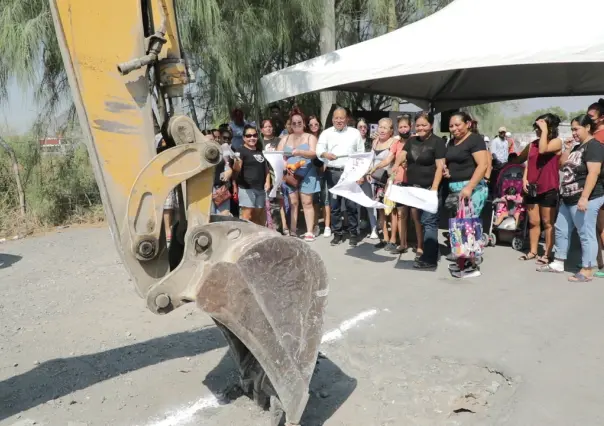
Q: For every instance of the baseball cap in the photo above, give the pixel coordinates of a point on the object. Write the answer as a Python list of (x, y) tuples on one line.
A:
[(486, 139), (502, 129), (508, 135)]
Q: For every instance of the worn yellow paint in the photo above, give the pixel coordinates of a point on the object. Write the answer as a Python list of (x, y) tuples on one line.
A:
[(171, 49), (199, 197), (98, 35)]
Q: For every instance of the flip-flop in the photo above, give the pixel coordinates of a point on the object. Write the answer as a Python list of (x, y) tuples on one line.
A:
[(528, 256), (599, 274), (579, 278)]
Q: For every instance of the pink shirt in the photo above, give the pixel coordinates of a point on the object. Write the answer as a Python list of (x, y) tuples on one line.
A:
[(396, 149)]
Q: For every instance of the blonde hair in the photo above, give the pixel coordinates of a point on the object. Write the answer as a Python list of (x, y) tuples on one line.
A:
[(388, 121)]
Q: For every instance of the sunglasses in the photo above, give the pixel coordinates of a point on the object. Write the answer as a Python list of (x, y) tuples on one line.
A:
[(297, 123), (253, 135)]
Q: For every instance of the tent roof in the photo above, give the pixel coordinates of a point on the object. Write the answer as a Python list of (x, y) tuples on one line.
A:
[(470, 52)]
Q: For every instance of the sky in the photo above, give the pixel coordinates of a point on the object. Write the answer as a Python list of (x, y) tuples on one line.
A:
[(19, 112)]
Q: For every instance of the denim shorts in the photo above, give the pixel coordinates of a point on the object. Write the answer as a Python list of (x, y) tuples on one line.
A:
[(252, 198)]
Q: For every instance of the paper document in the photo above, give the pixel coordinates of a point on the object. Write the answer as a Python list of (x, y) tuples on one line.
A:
[(277, 162), (420, 198), (357, 166)]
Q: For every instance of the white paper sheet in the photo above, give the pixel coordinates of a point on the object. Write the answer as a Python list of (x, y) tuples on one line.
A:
[(419, 198), (357, 166), (277, 162)]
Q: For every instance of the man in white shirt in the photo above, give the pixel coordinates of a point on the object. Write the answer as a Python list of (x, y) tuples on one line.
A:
[(335, 144), (499, 147)]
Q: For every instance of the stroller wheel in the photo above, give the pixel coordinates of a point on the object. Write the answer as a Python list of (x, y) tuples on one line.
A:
[(492, 240), (485, 239), (517, 244)]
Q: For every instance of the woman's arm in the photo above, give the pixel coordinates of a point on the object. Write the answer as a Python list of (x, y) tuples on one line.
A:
[(480, 157), (593, 173), (400, 158), (545, 147), (523, 156), (384, 163), (438, 175), (487, 175)]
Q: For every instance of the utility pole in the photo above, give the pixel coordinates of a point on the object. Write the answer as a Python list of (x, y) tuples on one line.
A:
[(392, 26)]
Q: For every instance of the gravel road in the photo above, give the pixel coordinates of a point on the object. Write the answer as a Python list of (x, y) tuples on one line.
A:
[(402, 347)]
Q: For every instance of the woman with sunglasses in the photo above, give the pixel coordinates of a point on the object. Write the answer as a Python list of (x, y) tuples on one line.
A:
[(302, 182), (253, 178), (322, 197), (541, 183)]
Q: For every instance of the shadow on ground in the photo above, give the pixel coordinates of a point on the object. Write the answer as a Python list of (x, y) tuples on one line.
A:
[(330, 387), (7, 260), (62, 376)]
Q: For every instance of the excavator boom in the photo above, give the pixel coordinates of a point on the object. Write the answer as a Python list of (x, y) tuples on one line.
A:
[(266, 293)]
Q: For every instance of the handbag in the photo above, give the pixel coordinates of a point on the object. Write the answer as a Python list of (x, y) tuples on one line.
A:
[(221, 195), (465, 233)]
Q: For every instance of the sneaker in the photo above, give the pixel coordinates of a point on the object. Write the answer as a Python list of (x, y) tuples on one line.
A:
[(374, 235), (467, 273), (353, 241), (316, 231), (308, 237), (327, 232), (380, 245), (390, 247), (337, 239), (420, 264)]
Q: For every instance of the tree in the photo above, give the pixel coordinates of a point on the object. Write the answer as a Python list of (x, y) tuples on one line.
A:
[(15, 167)]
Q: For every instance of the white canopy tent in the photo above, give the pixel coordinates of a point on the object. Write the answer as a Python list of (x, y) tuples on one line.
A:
[(470, 52)]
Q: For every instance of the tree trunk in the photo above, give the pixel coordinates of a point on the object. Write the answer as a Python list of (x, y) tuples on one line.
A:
[(392, 25), (328, 44), (15, 164), (192, 109)]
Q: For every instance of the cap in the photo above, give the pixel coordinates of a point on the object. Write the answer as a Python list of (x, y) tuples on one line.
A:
[(502, 129), (486, 139), (508, 135)]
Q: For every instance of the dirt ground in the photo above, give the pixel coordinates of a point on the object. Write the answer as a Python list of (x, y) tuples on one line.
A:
[(402, 347)]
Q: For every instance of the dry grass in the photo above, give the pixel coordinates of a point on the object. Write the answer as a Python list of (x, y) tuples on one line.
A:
[(13, 224)]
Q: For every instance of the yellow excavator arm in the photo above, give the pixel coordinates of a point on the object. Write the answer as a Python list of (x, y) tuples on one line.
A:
[(266, 293)]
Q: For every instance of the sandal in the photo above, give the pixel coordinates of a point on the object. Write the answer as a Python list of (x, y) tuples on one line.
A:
[(579, 278), (542, 260), (309, 237), (599, 274), (548, 268), (528, 256)]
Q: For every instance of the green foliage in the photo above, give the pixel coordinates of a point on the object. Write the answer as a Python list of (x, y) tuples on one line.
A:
[(524, 123), (59, 186)]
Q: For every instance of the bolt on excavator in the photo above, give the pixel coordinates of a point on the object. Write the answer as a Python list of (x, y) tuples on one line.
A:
[(265, 292)]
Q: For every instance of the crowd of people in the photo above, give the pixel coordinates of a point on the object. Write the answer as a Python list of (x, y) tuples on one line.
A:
[(562, 185)]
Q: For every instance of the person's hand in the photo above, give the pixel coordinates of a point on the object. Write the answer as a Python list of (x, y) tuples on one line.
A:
[(330, 156), (542, 125), (582, 204), (296, 153), (446, 172), (226, 176), (465, 193), (525, 185), (434, 188), (569, 143), (361, 181)]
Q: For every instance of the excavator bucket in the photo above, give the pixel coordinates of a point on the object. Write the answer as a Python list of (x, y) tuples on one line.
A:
[(267, 294)]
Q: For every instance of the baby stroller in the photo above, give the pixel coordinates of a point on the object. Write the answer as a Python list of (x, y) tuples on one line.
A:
[(509, 218)]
